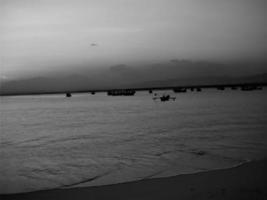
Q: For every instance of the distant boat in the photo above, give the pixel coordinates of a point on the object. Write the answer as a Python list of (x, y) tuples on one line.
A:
[(68, 94), (220, 88), (250, 88), (127, 92), (179, 90), (234, 88), (165, 98)]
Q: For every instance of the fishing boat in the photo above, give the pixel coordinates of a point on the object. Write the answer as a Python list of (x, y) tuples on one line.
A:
[(164, 98), (127, 92), (179, 90), (68, 94)]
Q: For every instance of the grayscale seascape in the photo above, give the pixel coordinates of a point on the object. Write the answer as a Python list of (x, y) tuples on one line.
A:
[(133, 100), (52, 142)]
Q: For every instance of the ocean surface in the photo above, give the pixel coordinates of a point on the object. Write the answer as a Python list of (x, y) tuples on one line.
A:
[(50, 141)]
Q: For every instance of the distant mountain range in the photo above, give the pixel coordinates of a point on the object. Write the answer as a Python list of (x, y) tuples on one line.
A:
[(173, 73), (216, 80), (78, 83)]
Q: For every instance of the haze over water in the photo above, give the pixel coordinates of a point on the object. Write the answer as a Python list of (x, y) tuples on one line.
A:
[(51, 142)]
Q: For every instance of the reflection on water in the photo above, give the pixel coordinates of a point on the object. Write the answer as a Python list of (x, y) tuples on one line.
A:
[(51, 141)]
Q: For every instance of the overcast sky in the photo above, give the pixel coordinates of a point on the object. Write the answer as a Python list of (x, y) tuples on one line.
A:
[(43, 35)]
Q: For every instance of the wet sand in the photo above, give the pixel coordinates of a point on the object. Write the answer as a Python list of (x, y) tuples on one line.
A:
[(247, 181)]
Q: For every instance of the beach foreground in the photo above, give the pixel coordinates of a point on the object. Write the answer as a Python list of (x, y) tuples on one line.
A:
[(247, 181)]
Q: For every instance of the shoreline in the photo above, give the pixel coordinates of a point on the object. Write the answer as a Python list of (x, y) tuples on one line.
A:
[(245, 181)]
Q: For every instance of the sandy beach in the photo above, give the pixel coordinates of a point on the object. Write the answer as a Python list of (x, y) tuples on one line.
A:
[(247, 181)]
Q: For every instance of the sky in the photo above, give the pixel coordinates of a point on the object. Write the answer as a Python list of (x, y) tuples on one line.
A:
[(38, 36)]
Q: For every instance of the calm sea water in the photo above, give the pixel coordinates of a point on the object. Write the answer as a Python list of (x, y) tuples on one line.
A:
[(51, 142)]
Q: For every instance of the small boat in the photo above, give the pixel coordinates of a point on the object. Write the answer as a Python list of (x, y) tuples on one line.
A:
[(165, 98), (179, 90), (250, 88), (68, 94), (126, 92), (220, 88), (234, 88)]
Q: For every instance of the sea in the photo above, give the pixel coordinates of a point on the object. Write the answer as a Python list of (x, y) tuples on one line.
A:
[(50, 141)]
